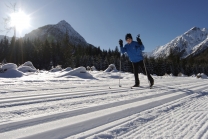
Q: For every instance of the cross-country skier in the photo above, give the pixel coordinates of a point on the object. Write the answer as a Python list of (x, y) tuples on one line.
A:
[(134, 50)]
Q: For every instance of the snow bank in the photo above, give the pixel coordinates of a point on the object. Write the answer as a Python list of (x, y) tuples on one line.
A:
[(28, 64), (111, 68), (10, 71), (93, 68), (78, 72), (181, 75), (171, 74), (88, 68), (26, 69), (204, 76), (9, 66), (201, 75), (67, 69), (166, 74), (57, 68), (193, 75)]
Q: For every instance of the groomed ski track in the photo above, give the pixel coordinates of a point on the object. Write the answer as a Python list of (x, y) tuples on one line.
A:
[(61, 109)]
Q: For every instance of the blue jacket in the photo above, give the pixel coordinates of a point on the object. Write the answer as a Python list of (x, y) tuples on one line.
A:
[(134, 51)]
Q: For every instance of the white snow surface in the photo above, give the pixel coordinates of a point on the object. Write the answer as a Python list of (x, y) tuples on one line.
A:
[(56, 69), (93, 68), (76, 104), (9, 66), (9, 70), (202, 75), (111, 68), (192, 42), (67, 69), (29, 64), (27, 67)]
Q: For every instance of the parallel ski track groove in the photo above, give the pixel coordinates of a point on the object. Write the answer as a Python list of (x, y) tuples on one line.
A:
[(21, 89), (66, 93), (203, 125), (201, 128), (87, 110)]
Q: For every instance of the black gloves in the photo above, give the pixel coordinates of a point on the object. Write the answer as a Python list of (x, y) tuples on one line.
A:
[(139, 40), (121, 43)]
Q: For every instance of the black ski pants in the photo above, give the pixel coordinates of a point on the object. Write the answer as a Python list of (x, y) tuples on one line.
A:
[(141, 65)]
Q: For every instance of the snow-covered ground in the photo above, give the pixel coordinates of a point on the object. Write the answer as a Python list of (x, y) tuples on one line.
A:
[(72, 105)]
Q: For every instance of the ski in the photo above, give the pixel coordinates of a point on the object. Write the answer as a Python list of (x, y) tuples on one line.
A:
[(131, 87), (141, 87)]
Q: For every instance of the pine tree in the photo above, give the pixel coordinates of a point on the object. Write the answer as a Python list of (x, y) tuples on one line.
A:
[(105, 64)]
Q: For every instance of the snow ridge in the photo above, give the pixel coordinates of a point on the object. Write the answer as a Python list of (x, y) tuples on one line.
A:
[(193, 42)]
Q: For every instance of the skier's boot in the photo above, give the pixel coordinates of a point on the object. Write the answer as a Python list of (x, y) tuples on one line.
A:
[(136, 84)]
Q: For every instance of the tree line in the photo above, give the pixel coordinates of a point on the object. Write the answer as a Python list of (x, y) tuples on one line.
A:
[(45, 54)]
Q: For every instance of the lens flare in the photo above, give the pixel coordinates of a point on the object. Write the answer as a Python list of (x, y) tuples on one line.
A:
[(20, 20)]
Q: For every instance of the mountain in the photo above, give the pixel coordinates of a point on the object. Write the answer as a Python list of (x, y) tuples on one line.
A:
[(192, 42), (203, 56), (200, 48), (57, 32)]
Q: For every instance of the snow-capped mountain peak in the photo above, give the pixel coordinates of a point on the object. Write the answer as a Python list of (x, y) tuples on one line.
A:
[(186, 44), (62, 22)]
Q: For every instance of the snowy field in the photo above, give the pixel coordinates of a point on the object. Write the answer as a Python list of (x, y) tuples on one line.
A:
[(74, 104)]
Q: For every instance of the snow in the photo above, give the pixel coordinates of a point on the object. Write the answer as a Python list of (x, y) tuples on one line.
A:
[(204, 76), (27, 67), (29, 64), (10, 71), (76, 104), (56, 69), (9, 66), (181, 75), (67, 69), (111, 68), (11, 74), (201, 75), (93, 68), (77, 72)]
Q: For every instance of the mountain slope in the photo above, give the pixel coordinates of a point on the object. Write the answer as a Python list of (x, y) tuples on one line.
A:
[(57, 32), (191, 42), (198, 49), (200, 55)]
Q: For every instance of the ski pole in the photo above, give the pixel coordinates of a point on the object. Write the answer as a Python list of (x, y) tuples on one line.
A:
[(146, 71), (120, 72)]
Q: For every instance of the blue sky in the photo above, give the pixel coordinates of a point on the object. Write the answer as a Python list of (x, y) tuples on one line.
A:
[(103, 22)]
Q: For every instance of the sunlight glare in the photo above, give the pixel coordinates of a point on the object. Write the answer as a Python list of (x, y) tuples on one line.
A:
[(20, 20)]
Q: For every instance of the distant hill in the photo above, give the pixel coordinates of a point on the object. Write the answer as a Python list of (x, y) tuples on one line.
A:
[(57, 32)]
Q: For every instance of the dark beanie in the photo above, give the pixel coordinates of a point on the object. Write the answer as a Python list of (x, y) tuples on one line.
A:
[(128, 36)]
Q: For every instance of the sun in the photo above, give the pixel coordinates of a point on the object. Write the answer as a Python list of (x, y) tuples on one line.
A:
[(20, 20)]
